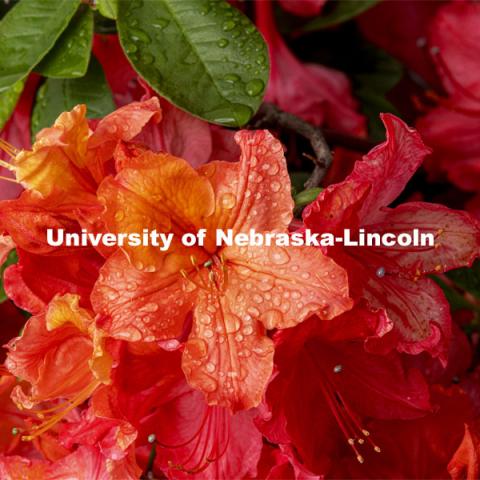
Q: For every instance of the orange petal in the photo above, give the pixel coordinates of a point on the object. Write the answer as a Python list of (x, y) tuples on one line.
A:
[(64, 310), (253, 193), (264, 191), (282, 287), (164, 193), (227, 357), (57, 157), (140, 306), (123, 124)]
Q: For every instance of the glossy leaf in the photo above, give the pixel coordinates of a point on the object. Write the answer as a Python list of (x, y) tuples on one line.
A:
[(108, 8), (27, 32), (208, 59), (70, 56), (8, 100), (344, 10), (11, 259), (56, 96)]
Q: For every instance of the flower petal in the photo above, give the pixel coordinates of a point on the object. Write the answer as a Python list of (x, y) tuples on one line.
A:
[(281, 287), (389, 166), (227, 357), (158, 192), (457, 239), (140, 306)]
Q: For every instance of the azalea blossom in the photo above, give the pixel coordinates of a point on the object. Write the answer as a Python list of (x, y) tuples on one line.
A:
[(394, 279), (234, 292)]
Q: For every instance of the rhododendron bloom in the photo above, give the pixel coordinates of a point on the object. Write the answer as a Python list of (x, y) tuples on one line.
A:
[(234, 292), (322, 417), (62, 355), (393, 279)]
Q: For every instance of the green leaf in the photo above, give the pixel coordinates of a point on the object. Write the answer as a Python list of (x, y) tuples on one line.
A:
[(27, 32), (372, 87), (344, 10), (70, 56), (8, 100), (56, 96), (206, 57), (467, 279), (455, 299), (108, 8), (298, 180), (11, 259), (302, 199)]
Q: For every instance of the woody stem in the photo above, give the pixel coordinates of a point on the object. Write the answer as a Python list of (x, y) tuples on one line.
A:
[(270, 115)]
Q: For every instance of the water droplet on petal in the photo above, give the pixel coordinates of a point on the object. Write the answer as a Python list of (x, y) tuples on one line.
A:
[(278, 255), (228, 200)]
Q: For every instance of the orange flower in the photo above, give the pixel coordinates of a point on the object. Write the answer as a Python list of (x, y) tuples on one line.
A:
[(235, 293), (63, 170), (62, 355)]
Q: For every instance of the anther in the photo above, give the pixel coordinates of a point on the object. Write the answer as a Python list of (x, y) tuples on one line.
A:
[(360, 459), (366, 432), (377, 449), (208, 263)]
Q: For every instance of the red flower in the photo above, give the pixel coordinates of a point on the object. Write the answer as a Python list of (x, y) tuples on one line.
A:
[(419, 448), (394, 279), (318, 94), (327, 385)]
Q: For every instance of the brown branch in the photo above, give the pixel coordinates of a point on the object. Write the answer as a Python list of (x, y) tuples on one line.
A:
[(269, 116)]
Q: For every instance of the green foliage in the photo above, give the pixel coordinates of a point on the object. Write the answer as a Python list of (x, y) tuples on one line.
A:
[(344, 10), (108, 8), (59, 95), (372, 86), (27, 32), (204, 56), (8, 100), (70, 56), (11, 259), (467, 278), (302, 199)]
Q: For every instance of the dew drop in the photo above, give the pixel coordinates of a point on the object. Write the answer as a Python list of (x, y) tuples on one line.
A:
[(229, 25), (380, 273), (228, 200), (275, 186), (254, 87), (210, 367), (138, 35), (222, 43), (278, 256)]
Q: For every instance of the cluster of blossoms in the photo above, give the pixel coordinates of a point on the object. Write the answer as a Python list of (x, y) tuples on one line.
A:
[(232, 362)]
